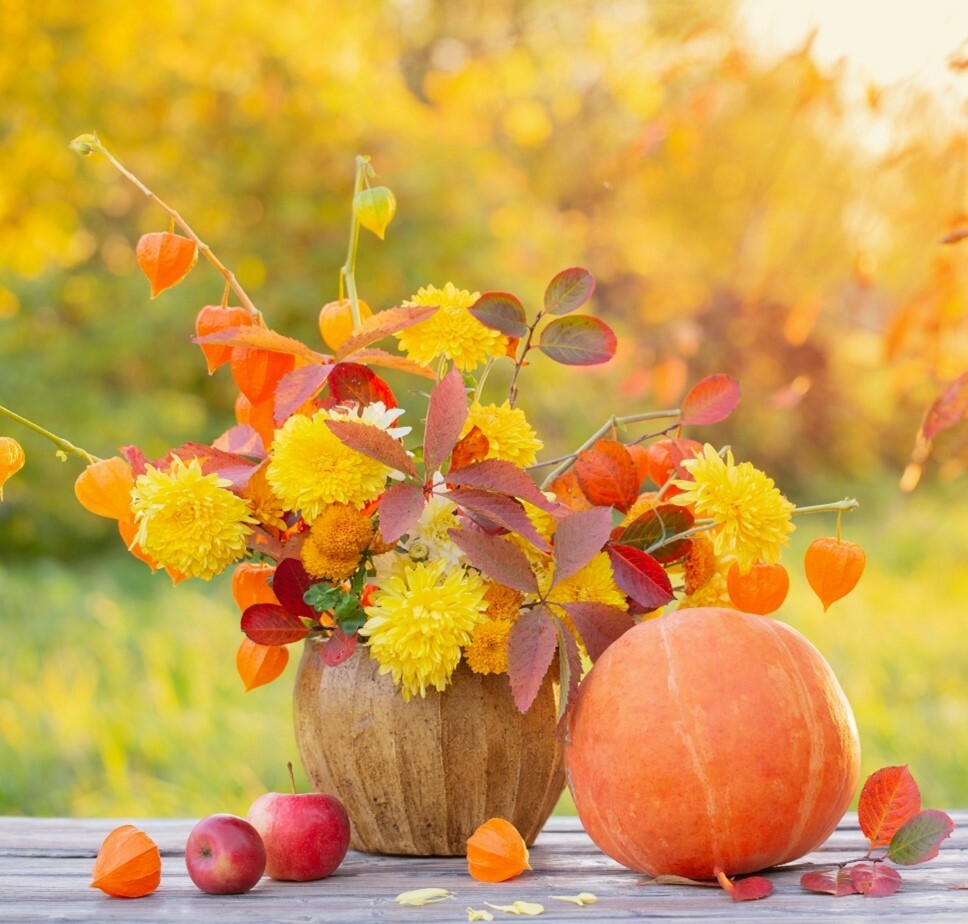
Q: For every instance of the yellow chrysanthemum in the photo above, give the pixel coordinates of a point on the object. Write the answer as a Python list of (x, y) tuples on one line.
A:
[(452, 331), (594, 584), (336, 541), (713, 592), (311, 469), (509, 435), (189, 521), (419, 621), (503, 603), (488, 651), (700, 564), (266, 507), (752, 517)]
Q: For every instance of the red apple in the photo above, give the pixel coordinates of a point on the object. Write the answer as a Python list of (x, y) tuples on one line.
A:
[(306, 834), (225, 855)]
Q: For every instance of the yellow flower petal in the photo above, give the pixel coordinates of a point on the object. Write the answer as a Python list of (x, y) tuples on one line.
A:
[(530, 908), (581, 899), (474, 915), (423, 896)]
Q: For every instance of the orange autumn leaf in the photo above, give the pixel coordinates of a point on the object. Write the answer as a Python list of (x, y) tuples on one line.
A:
[(257, 372), (568, 492), (496, 852), (760, 590), (250, 584), (128, 865), (104, 488), (469, 449), (889, 798), (12, 459), (640, 457), (214, 318), (165, 258), (607, 475), (833, 568), (260, 664)]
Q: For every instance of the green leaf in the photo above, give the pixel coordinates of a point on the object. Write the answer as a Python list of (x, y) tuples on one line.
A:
[(322, 597), (579, 340), (501, 311), (651, 532), (348, 613), (569, 290), (919, 839)]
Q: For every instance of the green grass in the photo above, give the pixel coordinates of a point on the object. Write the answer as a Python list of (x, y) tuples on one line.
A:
[(120, 695)]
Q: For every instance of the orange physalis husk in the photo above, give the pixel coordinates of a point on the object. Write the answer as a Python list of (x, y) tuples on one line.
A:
[(260, 416), (210, 320), (496, 852), (336, 321), (833, 568), (760, 590), (260, 664), (128, 865), (640, 456), (12, 459), (250, 584), (104, 488), (257, 372), (165, 258)]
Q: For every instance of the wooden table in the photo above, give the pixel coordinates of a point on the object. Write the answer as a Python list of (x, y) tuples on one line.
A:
[(45, 871)]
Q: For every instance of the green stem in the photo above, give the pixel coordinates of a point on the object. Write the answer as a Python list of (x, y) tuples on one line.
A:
[(64, 446), (848, 503), (347, 272), (229, 276)]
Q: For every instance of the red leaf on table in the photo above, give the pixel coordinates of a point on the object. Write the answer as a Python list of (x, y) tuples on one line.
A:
[(374, 443), (598, 624), (948, 408), (569, 290), (578, 340), (531, 646), (889, 797), (381, 324), (710, 400), (290, 583), (497, 558), (503, 312), (400, 507), (579, 537), (919, 838), (607, 475), (745, 890), (640, 576), (506, 477), (504, 511), (836, 881), (875, 880), (351, 383), (268, 624), (297, 387), (446, 415)]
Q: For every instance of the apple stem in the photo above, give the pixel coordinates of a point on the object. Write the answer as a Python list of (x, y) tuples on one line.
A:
[(292, 777)]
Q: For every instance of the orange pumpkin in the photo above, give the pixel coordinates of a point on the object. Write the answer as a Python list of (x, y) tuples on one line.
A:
[(711, 739)]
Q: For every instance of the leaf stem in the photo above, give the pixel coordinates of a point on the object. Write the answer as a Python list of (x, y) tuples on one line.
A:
[(519, 362), (94, 144), (347, 272), (63, 446), (848, 503)]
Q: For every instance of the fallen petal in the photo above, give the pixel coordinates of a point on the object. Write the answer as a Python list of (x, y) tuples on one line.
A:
[(423, 896), (530, 908), (581, 899), (474, 915)]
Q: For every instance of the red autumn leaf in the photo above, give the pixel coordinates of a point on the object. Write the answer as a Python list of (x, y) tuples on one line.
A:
[(579, 537), (950, 407), (268, 624), (607, 475), (501, 510), (374, 443), (875, 880), (470, 448), (229, 465), (710, 400), (651, 532), (381, 325), (497, 558), (501, 311), (165, 258), (531, 646), (640, 576), (578, 340), (745, 890), (255, 337), (376, 357), (569, 290), (352, 383), (889, 797), (919, 838), (259, 664), (136, 459), (506, 477), (339, 647), (241, 440), (953, 237), (569, 667), (296, 388), (400, 508), (446, 415), (598, 624), (290, 583), (836, 881)]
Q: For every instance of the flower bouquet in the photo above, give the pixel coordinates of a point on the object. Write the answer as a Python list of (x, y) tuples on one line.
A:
[(460, 550)]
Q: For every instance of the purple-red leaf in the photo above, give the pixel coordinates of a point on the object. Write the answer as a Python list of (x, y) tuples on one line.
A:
[(338, 647), (374, 443), (919, 838), (531, 646), (502, 476), (640, 576), (400, 507), (950, 407), (745, 890), (579, 537), (710, 400), (607, 475), (579, 340), (500, 509), (501, 311), (837, 881), (297, 387), (446, 415), (351, 383), (241, 439), (598, 624), (268, 624), (381, 324), (651, 531), (497, 558), (875, 880), (289, 583), (889, 797), (569, 290), (232, 466), (569, 667)]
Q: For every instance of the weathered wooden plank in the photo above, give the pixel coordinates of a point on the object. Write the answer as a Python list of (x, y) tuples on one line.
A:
[(45, 867)]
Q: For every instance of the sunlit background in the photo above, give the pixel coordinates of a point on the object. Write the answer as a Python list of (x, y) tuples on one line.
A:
[(760, 188)]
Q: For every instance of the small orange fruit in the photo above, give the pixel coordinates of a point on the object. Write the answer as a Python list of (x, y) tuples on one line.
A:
[(336, 321)]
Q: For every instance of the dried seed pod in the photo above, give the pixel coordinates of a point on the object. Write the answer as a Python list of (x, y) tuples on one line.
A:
[(833, 568), (496, 852)]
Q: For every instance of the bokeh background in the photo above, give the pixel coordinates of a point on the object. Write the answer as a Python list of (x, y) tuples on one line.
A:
[(747, 205)]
